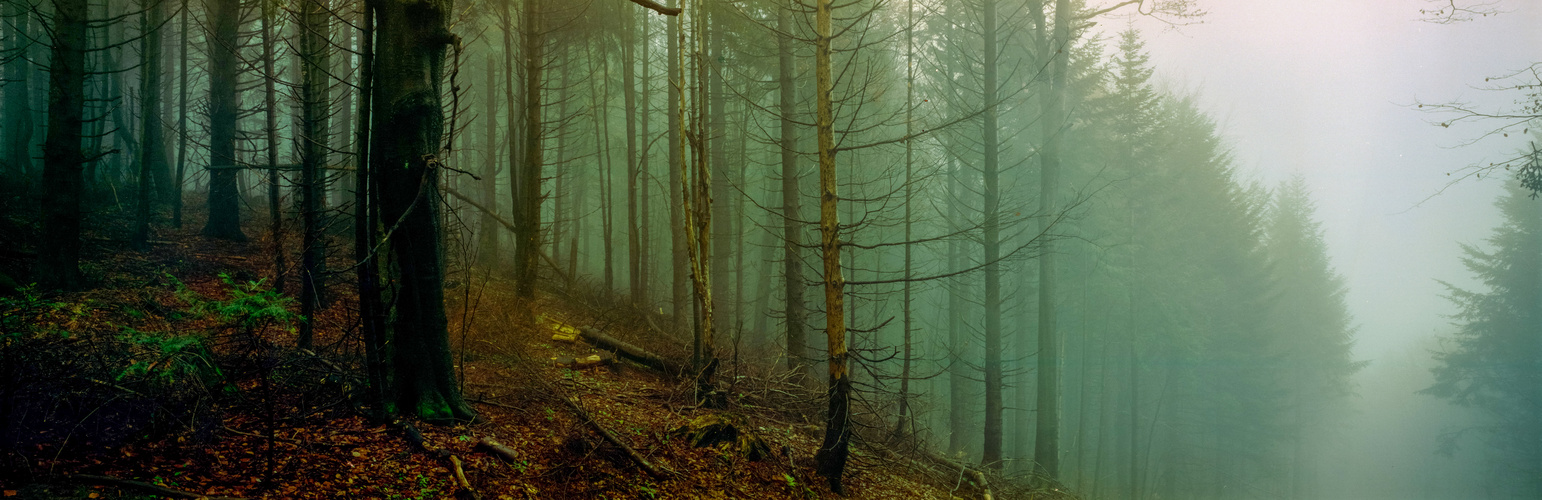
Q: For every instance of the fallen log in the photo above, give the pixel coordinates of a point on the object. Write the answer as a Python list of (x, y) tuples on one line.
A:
[(631, 352), (497, 449), (604, 358), (975, 475), (611, 438), (153, 489)]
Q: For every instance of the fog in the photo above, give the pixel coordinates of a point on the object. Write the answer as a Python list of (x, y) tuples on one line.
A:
[(1132, 249), (1329, 89)]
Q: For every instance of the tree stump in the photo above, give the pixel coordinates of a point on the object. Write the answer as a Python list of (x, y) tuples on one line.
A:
[(726, 431)]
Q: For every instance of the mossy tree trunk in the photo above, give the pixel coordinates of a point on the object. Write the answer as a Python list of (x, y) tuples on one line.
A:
[(411, 41)]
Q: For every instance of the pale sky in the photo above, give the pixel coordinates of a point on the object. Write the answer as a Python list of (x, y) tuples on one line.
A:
[(1325, 87)]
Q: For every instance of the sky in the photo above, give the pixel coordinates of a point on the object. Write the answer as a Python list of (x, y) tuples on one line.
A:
[(1328, 88)]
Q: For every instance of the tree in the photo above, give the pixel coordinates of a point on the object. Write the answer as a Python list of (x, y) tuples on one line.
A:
[(834, 450), (990, 234), (152, 152), (1313, 322), (58, 263), (18, 101), (1046, 452), (314, 142), (224, 19), (1493, 361), (407, 131), (527, 184), (792, 217)]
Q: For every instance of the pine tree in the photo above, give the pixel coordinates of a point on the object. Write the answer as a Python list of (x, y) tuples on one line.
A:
[(1493, 361)]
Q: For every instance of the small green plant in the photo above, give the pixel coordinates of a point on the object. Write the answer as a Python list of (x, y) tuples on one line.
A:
[(648, 489), (166, 357), (253, 307)]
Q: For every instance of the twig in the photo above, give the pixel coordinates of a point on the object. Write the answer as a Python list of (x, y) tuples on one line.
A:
[(460, 478), (287, 440), (975, 476), (612, 439)]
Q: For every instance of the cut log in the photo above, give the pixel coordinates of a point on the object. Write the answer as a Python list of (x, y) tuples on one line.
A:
[(631, 352), (582, 362), (497, 449)]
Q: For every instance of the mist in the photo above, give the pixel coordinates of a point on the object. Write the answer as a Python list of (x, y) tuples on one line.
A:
[(1098, 249)]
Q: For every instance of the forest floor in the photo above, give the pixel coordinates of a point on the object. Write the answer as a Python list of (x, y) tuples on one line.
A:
[(281, 423)]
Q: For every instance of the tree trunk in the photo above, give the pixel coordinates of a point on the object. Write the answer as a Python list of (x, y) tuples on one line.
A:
[(679, 267), (958, 380), (181, 176), (270, 112), (152, 156), (833, 451), (792, 225), (1046, 449), (18, 101), (629, 95), (697, 200), (316, 101), (58, 262), (645, 236), (991, 241), (223, 20), (487, 246), (527, 197), (408, 127), (900, 429), (715, 138), (365, 218)]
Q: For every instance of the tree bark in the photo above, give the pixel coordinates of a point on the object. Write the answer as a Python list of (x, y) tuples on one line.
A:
[(223, 20), (991, 241), (1046, 452), (527, 197), (181, 175), (629, 95), (791, 196), (18, 101), (834, 450), (365, 219), (958, 380), (715, 137), (152, 156), (58, 262), (270, 112), (315, 102), (487, 251), (408, 127), (679, 266)]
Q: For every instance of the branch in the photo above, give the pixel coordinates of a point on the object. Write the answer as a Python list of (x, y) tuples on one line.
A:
[(656, 7)]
